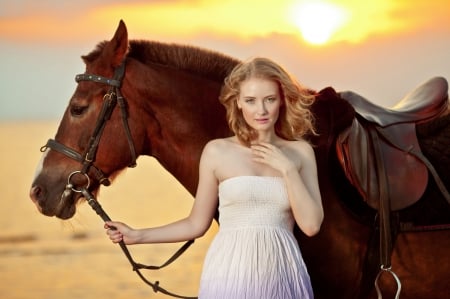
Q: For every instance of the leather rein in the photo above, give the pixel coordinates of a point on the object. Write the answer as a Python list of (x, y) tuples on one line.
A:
[(110, 101)]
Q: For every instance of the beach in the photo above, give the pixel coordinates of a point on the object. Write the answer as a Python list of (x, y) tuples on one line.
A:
[(43, 257)]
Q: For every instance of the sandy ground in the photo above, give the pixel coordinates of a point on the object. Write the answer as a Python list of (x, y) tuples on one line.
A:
[(42, 257)]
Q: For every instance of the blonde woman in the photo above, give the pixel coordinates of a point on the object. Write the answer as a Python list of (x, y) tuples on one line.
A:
[(264, 180)]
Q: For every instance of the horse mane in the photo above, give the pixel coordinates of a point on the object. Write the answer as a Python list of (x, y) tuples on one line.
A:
[(196, 60)]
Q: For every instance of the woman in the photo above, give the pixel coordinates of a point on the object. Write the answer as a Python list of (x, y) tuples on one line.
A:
[(264, 179)]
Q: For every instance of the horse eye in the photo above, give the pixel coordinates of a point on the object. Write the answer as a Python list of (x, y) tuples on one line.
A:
[(77, 110)]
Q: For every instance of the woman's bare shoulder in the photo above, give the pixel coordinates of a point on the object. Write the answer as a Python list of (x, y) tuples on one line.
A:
[(302, 147), (300, 144), (220, 145)]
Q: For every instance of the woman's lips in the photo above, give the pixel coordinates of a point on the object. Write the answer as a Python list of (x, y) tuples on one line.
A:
[(262, 120)]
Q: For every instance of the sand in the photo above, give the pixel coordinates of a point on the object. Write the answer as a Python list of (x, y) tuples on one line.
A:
[(43, 257)]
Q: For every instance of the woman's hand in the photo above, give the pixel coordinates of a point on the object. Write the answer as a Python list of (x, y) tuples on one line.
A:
[(271, 155), (118, 231)]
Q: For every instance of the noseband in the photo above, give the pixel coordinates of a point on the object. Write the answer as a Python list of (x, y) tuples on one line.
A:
[(110, 101)]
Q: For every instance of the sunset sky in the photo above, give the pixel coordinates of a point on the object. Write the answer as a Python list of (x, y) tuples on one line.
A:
[(381, 49)]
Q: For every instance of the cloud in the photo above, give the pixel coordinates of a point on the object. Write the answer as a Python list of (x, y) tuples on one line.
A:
[(52, 21), (69, 22)]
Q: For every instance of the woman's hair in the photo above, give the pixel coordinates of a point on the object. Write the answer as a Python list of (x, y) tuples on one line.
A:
[(295, 119)]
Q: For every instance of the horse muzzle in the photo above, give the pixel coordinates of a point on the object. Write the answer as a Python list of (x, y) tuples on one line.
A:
[(62, 205)]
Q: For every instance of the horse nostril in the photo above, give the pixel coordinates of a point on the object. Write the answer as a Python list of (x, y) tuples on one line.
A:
[(35, 193)]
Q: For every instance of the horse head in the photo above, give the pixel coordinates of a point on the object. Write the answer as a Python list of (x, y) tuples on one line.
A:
[(135, 98), (79, 156)]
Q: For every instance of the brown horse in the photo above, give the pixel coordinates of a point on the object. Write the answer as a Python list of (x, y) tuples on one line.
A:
[(168, 108)]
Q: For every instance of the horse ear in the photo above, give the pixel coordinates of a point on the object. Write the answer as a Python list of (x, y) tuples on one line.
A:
[(118, 45)]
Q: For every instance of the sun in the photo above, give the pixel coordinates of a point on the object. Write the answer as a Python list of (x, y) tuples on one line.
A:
[(318, 20)]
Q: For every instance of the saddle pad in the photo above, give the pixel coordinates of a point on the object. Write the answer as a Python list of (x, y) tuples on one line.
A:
[(407, 176)]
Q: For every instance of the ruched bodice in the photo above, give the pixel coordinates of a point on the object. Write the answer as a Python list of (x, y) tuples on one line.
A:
[(254, 254), (259, 201)]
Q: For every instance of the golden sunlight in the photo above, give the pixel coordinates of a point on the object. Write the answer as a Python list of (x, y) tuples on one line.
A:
[(318, 21), (187, 18)]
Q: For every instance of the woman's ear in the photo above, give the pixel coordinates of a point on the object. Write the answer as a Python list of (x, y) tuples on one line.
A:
[(238, 104)]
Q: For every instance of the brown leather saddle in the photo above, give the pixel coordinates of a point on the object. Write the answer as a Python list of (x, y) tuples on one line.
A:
[(381, 157), (380, 152)]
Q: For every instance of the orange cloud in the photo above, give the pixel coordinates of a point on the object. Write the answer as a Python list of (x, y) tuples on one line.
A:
[(235, 18)]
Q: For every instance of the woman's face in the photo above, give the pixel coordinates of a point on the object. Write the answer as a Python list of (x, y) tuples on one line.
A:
[(259, 101)]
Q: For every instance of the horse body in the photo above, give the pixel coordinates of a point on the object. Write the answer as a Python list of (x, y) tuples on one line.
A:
[(173, 112)]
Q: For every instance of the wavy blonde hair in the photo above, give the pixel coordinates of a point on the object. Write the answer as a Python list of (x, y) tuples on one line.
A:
[(295, 119)]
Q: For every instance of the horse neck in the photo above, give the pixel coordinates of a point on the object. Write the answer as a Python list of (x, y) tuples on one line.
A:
[(182, 113)]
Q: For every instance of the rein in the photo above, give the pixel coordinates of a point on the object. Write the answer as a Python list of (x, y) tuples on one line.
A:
[(110, 101), (137, 266)]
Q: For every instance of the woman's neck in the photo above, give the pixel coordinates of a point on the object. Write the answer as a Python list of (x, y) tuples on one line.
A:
[(265, 136)]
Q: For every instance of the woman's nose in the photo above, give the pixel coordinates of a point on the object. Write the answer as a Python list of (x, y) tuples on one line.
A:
[(262, 109)]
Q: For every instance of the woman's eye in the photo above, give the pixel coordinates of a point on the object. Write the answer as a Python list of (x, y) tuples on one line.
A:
[(250, 101), (77, 110), (270, 100)]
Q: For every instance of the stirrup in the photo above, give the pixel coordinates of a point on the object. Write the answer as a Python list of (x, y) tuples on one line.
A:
[(397, 280)]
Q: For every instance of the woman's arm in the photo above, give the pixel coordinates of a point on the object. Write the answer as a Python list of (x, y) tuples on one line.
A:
[(303, 191), (191, 227)]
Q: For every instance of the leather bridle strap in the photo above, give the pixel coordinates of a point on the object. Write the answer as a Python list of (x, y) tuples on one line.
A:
[(96, 78), (74, 155), (109, 103), (62, 149), (123, 108), (110, 100)]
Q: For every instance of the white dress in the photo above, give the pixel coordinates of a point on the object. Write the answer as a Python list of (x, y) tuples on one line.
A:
[(254, 254)]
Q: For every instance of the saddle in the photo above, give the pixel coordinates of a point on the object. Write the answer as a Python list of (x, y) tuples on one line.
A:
[(380, 152), (381, 157)]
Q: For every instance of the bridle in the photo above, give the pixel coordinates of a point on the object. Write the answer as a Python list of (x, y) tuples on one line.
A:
[(110, 101)]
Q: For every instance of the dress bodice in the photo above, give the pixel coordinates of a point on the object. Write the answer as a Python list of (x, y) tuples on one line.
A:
[(251, 201)]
